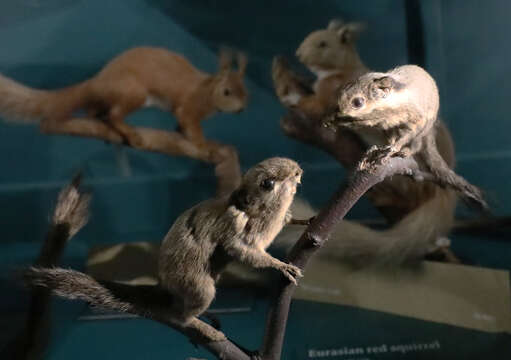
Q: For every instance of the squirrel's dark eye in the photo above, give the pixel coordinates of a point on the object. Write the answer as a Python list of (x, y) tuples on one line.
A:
[(357, 102), (227, 92), (268, 184), (322, 44), (297, 173)]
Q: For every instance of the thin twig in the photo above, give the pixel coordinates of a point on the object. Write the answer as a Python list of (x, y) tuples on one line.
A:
[(315, 236), (225, 158)]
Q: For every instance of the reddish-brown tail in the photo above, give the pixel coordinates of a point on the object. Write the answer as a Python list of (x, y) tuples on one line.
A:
[(22, 104)]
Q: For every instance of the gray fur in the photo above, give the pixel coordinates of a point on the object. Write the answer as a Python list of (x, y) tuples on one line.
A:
[(403, 104), (202, 241), (72, 208), (74, 285), (205, 238)]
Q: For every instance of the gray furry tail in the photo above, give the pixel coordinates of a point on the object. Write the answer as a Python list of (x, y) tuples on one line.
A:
[(72, 207), (149, 301), (416, 235), (74, 285), (471, 195)]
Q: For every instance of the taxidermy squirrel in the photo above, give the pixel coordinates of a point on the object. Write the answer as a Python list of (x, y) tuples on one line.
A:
[(139, 77), (331, 55), (397, 113), (200, 244), (402, 106), (421, 213)]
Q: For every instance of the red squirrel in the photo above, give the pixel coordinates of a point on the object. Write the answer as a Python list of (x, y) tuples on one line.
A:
[(139, 77)]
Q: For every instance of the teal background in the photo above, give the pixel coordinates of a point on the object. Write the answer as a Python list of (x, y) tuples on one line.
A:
[(54, 43)]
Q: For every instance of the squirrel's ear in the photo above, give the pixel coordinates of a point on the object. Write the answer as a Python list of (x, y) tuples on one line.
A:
[(348, 33), (240, 198), (335, 24), (384, 85), (224, 59), (242, 63), (387, 82)]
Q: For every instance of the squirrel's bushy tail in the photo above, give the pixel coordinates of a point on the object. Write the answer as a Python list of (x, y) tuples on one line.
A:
[(22, 104), (409, 239), (436, 165), (70, 284)]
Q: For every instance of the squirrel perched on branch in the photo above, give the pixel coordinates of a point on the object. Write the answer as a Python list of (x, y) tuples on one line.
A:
[(397, 112), (402, 106), (197, 248), (139, 77), (421, 214)]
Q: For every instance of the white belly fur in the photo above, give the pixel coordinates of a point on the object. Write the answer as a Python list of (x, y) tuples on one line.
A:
[(153, 101)]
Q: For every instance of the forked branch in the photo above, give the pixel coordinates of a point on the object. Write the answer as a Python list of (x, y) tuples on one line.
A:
[(315, 237)]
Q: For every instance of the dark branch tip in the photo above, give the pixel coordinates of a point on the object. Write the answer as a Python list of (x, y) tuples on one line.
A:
[(314, 239)]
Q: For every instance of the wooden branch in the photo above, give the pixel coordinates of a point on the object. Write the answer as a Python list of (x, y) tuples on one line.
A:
[(315, 236), (70, 215), (156, 307), (225, 158)]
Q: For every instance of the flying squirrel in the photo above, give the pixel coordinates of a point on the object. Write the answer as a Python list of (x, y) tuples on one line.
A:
[(397, 112), (197, 248), (420, 214)]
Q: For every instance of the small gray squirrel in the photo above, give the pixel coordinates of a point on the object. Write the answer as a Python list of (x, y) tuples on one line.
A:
[(199, 245), (397, 113)]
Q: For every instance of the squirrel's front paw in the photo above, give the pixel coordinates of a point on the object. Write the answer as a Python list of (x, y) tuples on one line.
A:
[(291, 272), (375, 157), (239, 218)]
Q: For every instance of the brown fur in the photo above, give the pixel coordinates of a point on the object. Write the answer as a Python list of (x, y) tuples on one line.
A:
[(330, 54), (139, 77), (202, 241)]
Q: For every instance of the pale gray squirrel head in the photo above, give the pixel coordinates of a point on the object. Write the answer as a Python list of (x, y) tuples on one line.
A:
[(367, 97), (405, 88)]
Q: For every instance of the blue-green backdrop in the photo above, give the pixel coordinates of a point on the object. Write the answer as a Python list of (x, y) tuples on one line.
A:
[(54, 43)]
